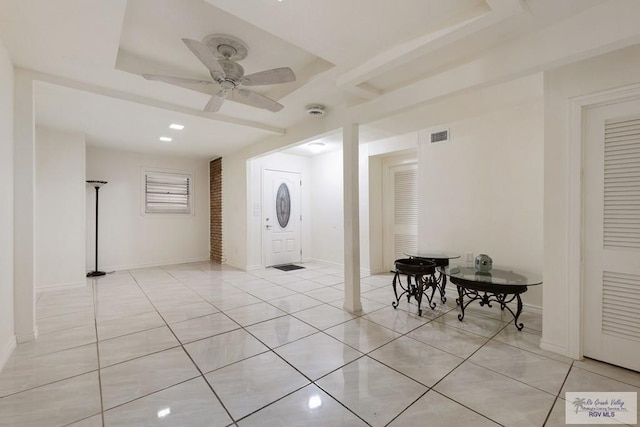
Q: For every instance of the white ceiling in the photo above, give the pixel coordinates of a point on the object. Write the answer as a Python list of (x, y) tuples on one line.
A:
[(374, 62)]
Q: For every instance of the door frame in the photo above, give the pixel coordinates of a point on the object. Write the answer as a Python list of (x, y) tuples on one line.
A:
[(575, 208), (263, 232)]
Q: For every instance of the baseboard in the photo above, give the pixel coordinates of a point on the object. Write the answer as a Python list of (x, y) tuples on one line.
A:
[(6, 350), (76, 285), (554, 348), (536, 309), (24, 338), (152, 264), (235, 265), (254, 267)]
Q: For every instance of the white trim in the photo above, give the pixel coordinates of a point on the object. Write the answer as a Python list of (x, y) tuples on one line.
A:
[(554, 348), (238, 266), (575, 213), (50, 288), (535, 309), (25, 338), (6, 351), (155, 264)]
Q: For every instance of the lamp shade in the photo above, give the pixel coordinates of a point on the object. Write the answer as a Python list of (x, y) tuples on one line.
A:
[(96, 183)]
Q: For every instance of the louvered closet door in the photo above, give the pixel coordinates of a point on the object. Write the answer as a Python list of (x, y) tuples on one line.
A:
[(404, 211), (612, 234)]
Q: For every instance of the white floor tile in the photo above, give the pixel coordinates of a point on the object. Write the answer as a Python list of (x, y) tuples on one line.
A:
[(363, 335), (130, 380), (317, 354), (373, 391), (191, 403), (127, 347), (440, 412), (419, 361), (55, 404), (502, 399), (281, 331), (23, 373), (309, 407), (224, 349), (265, 378), (203, 327)]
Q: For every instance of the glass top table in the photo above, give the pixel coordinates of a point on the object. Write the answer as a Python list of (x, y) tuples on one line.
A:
[(501, 284), (433, 254), (441, 259)]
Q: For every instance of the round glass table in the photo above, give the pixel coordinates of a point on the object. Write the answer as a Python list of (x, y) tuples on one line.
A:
[(501, 284), (441, 259)]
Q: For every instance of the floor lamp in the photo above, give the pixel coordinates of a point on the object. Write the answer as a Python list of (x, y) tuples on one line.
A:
[(97, 185)]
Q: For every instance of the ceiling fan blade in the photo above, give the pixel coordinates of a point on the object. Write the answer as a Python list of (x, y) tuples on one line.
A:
[(205, 56), (216, 102), (176, 80), (254, 99), (270, 77)]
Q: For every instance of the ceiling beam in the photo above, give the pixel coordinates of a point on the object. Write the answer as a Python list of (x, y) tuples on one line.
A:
[(423, 45), (117, 94)]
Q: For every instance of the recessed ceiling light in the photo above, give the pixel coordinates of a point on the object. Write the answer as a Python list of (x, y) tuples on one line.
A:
[(315, 147), (165, 139), (176, 126)]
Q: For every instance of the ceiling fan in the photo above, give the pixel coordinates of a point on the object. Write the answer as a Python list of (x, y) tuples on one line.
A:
[(220, 53)]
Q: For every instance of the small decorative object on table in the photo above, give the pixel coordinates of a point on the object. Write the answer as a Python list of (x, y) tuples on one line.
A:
[(484, 263)]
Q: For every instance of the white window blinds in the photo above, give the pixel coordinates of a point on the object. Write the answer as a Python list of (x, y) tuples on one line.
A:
[(167, 192)]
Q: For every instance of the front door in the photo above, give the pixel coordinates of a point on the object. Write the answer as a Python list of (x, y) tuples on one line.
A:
[(612, 234), (282, 217)]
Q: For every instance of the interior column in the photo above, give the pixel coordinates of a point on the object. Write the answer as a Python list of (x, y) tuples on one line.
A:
[(351, 194), (24, 209)]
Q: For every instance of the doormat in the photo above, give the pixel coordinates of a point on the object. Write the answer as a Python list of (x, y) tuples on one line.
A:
[(288, 267)]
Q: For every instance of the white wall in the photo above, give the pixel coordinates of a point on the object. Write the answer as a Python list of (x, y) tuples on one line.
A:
[(281, 162), (482, 191), (7, 333), (127, 238), (327, 220), (617, 69), (60, 235)]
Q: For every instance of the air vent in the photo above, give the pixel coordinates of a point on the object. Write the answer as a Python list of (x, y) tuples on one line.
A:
[(440, 136)]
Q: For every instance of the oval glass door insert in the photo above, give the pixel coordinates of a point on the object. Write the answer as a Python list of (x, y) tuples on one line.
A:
[(283, 205)]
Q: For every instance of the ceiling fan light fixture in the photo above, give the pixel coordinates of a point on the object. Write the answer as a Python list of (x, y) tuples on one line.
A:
[(316, 110)]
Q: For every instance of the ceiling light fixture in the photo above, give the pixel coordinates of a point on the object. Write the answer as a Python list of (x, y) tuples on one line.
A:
[(176, 126), (165, 139), (316, 147)]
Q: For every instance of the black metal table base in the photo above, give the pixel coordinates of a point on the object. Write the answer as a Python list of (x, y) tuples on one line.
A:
[(486, 294), (417, 289)]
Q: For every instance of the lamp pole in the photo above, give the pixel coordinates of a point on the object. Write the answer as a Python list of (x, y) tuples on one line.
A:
[(97, 185)]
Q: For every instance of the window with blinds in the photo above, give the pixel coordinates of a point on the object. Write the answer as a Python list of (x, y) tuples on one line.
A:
[(167, 192)]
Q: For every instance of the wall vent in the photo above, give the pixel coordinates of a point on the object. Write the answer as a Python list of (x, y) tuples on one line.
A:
[(440, 136)]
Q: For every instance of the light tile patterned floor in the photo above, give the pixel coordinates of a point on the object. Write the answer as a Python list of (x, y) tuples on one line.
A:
[(205, 345)]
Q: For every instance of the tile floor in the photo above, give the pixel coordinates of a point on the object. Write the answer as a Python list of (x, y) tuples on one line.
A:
[(204, 345)]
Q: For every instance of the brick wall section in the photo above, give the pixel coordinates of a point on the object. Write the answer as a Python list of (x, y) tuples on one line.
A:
[(215, 191)]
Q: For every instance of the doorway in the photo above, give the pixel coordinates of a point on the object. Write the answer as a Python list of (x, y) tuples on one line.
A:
[(281, 217), (611, 195), (400, 209)]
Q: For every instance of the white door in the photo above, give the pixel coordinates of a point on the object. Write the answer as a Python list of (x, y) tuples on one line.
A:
[(282, 217), (612, 234), (400, 221)]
